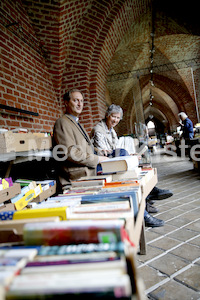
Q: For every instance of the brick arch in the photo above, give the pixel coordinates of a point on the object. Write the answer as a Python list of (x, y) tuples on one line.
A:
[(107, 46), (97, 37), (177, 91), (161, 109)]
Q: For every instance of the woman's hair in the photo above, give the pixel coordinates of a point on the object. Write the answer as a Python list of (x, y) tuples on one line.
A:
[(67, 95), (113, 109)]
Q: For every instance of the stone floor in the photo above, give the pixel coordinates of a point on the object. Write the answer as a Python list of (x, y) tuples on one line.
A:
[(171, 267)]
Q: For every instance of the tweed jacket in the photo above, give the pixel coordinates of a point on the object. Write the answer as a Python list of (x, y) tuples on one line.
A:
[(77, 158)]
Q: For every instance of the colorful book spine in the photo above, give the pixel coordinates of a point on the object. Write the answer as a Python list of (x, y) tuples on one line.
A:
[(81, 248), (76, 232)]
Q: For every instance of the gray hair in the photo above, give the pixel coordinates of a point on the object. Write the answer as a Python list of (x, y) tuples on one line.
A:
[(182, 115), (114, 109)]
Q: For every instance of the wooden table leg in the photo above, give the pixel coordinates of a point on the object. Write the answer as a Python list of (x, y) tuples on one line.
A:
[(9, 168), (142, 240)]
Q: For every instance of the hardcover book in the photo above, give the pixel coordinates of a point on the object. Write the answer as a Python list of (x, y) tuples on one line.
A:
[(119, 164), (73, 232)]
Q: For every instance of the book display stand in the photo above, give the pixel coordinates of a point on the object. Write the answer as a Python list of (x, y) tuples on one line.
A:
[(106, 252)]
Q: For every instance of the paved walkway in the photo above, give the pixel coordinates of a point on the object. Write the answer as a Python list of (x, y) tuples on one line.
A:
[(171, 267)]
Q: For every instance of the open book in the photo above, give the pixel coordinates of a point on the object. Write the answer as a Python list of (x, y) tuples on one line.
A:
[(120, 164)]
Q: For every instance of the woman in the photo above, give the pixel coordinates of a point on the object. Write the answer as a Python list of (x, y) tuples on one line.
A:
[(103, 135), (104, 138)]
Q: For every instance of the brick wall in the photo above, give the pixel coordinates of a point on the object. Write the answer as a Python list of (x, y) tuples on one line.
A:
[(56, 45), (25, 79)]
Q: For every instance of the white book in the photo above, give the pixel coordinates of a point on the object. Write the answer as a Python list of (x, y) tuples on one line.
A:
[(88, 183), (71, 282), (118, 264), (102, 207), (23, 253), (120, 164), (107, 178), (49, 204)]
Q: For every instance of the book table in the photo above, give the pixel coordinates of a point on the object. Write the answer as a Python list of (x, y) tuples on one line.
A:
[(134, 225), (135, 218)]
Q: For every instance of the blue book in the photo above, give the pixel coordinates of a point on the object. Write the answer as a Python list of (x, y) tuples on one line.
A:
[(109, 197)]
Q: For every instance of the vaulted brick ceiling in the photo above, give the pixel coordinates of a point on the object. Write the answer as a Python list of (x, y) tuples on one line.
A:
[(176, 43), (115, 39)]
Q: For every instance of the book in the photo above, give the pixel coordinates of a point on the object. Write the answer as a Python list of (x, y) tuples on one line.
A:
[(121, 184), (82, 190), (18, 225), (61, 212), (102, 207), (66, 265), (80, 250), (23, 182), (63, 197), (133, 174), (107, 178), (12, 263), (21, 253), (88, 183), (110, 284), (52, 204), (119, 164), (103, 215), (132, 195), (76, 232)]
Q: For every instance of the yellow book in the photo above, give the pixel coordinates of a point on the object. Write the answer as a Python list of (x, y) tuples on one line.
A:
[(60, 212)]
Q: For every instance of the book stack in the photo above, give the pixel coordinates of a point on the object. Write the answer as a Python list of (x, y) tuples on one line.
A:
[(12, 261), (14, 196), (78, 259), (48, 188), (119, 164), (115, 170)]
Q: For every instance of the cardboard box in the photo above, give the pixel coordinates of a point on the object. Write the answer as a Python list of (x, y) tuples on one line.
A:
[(43, 143), (45, 194), (27, 197), (17, 142), (7, 207), (10, 192), (18, 225)]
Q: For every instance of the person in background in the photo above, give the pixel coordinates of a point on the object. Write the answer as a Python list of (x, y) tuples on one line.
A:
[(77, 156), (186, 126), (104, 138)]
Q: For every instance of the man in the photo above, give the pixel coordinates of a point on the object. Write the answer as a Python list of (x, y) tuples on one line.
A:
[(186, 126), (76, 158)]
